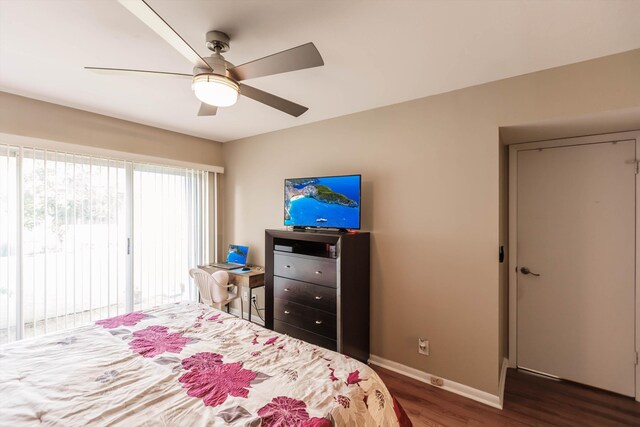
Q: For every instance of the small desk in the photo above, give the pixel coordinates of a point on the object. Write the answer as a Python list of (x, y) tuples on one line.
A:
[(250, 279)]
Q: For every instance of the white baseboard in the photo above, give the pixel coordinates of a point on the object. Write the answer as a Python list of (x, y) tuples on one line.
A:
[(452, 386)]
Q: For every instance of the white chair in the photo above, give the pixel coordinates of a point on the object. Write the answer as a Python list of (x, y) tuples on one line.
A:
[(214, 288)]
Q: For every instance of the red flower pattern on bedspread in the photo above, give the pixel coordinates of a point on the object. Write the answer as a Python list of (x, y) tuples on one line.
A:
[(332, 375), (353, 378), (213, 381), (154, 340), (129, 319), (200, 361), (285, 411), (317, 422), (271, 341)]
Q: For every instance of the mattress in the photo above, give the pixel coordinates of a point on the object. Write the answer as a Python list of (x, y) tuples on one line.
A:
[(186, 364)]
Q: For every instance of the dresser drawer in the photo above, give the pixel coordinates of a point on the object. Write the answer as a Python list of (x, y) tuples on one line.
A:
[(313, 320), (301, 334), (309, 294), (306, 268)]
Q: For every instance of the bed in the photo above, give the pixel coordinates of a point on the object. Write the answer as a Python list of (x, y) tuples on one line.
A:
[(186, 364)]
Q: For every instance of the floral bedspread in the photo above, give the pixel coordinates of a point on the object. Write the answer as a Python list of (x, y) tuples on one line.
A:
[(185, 364)]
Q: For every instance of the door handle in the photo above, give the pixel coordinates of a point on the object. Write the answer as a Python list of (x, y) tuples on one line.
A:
[(525, 270)]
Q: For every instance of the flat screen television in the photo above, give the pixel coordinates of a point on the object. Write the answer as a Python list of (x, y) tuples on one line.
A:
[(328, 202)]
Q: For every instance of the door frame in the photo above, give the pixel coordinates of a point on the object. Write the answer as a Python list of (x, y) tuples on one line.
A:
[(513, 232)]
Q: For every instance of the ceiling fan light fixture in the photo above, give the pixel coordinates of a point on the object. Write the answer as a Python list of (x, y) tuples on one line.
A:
[(214, 89)]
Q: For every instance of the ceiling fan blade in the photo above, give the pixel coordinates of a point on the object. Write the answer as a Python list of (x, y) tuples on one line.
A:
[(102, 70), (146, 14), (207, 110), (297, 58), (272, 101)]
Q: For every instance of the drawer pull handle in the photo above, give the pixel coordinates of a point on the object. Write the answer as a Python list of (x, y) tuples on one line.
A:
[(318, 297), (287, 312), (287, 266), (286, 289), (318, 272), (318, 322)]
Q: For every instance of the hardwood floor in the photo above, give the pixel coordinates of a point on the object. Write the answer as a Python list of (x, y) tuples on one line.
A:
[(529, 400)]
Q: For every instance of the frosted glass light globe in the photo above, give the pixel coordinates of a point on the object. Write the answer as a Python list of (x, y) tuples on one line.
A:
[(214, 89)]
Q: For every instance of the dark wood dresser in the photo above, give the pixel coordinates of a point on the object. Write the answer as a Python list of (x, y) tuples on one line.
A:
[(317, 288)]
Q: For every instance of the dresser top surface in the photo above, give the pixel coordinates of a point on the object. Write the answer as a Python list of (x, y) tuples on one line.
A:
[(314, 235)]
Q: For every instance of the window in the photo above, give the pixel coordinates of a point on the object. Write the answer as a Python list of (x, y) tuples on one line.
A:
[(84, 238)]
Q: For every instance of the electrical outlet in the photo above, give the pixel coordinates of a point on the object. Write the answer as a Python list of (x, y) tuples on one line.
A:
[(245, 296), (253, 299), (423, 346), (437, 381)]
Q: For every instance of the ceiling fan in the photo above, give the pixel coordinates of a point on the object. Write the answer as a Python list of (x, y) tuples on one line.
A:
[(215, 81)]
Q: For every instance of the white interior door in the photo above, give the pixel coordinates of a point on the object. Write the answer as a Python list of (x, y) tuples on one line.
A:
[(576, 229)]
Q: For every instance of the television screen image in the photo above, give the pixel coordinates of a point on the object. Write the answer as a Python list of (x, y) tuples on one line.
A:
[(332, 202)]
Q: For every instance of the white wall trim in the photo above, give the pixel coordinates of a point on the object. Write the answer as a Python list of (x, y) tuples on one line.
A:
[(503, 380), (86, 150), (637, 270), (513, 256), (452, 386)]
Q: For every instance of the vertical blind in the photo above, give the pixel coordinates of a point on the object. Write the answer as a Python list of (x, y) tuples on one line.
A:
[(170, 232), (72, 226), (8, 243), (84, 238)]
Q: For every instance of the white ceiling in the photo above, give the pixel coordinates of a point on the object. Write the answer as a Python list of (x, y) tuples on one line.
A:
[(377, 52)]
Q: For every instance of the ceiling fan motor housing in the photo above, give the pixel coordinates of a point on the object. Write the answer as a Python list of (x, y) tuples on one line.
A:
[(218, 42), (218, 74), (217, 63)]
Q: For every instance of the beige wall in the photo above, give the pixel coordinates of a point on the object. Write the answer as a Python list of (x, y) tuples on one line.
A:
[(38, 119), (432, 193)]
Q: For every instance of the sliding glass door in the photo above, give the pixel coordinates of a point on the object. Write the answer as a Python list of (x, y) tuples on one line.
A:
[(84, 238), (170, 232)]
